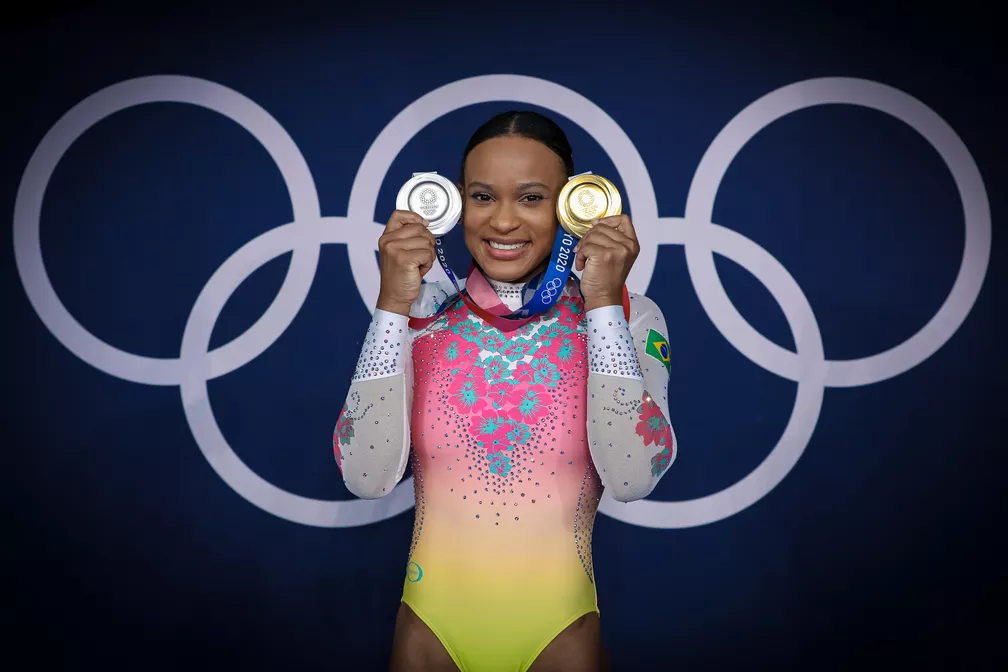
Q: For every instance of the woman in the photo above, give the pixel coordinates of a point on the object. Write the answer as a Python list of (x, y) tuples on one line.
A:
[(515, 429)]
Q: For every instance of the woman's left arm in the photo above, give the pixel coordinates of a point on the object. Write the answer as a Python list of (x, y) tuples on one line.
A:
[(630, 438), (631, 441)]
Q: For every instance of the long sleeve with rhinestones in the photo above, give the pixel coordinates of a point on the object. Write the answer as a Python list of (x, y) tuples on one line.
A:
[(371, 441), (630, 438)]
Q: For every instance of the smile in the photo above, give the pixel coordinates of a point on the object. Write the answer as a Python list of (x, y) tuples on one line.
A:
[(504, 251), (506, 246)]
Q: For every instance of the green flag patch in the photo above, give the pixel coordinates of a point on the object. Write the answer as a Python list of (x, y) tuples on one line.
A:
[(658, 347)]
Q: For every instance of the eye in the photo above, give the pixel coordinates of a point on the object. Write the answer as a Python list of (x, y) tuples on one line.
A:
[(533, 198), (480, 196)]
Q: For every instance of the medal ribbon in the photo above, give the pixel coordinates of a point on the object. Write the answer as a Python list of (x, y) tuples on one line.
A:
[(492, 310)]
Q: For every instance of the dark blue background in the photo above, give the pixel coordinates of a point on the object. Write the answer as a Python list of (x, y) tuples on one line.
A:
[(883, 545)]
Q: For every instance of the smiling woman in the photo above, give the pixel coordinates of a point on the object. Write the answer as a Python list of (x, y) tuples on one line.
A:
[(512, 171), (509, 222), (514, 425)]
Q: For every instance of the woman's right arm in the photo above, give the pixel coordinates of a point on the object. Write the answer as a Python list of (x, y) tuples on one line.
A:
[(372, 439)]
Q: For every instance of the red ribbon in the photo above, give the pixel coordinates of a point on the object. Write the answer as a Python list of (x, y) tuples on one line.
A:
[(492, 305)]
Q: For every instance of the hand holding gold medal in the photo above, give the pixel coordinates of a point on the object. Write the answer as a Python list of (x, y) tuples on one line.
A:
[(590, 208)]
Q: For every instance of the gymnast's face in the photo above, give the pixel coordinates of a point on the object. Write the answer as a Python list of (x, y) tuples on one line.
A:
[(509, 197)]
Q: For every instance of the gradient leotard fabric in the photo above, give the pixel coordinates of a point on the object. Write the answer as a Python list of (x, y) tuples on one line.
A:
[(513, 436)]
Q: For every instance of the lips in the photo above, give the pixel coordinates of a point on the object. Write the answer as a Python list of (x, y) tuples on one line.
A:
[(506, 250)]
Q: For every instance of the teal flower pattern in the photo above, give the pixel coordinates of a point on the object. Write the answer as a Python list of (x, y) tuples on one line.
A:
[(518, 432), (544, 372), (495, 369), (566, 350), (467, 392), (503, 383), (530, 405), (550, 332), (494, 341), (489, 425), (571, 317), (470, 330), (344, 427), (500, 464), (517, 348)]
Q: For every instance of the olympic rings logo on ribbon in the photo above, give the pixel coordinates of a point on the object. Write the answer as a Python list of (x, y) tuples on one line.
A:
[(303, 237), (550, 289)]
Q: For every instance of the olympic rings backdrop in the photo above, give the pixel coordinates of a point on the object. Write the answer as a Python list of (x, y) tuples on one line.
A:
[(195, 200)]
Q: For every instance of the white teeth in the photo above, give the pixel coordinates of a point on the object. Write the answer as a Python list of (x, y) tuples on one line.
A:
[(502, 246)]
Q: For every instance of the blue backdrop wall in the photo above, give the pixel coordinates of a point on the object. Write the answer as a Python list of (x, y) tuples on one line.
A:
[(195, 197)]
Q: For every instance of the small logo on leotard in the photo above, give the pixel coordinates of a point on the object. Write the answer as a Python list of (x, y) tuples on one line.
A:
[(413, 572)]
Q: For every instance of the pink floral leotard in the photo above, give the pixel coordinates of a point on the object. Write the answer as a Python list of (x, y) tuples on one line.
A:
[(514, 435)]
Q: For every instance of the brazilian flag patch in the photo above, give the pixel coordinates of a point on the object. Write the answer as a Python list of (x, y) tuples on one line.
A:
[(658, 347)]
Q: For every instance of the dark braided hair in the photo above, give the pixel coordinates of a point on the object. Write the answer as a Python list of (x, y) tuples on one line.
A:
[(526, 124)]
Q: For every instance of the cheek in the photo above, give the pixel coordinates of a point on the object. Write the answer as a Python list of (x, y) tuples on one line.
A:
[(474, 219), (471, 233), (544, 231), (470, 224)]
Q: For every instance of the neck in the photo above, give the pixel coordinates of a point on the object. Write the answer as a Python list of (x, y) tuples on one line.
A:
[(519, 281), (509, 293)]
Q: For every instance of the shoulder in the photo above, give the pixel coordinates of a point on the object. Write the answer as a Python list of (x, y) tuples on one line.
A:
[(643, 303), (645, 314), (650, 334)]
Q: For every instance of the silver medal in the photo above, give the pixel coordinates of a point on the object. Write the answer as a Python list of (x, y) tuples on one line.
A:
[(434, 198)]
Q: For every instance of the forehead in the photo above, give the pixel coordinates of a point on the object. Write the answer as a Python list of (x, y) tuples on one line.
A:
[(513, 158)]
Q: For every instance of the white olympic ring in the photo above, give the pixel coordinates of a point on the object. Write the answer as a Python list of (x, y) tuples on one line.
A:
[(309, 230)]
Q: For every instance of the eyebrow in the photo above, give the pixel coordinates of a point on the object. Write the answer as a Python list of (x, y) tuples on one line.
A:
[(521, 187)]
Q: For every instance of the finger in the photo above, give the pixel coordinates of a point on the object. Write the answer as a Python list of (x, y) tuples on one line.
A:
[(398, 256), (607, 235), (606, 253), (587, 250), (621, 223), (400, 218), (407, 245), (409, 231), (414, 233), (418, 258), (604, 235)]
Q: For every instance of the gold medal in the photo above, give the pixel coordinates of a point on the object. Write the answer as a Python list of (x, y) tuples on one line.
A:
[(586, 197)]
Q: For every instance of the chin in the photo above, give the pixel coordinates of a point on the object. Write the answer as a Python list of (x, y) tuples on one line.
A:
[(505, 271)]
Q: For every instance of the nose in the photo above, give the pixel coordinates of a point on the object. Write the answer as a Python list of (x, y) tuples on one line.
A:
[(505, 220)]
